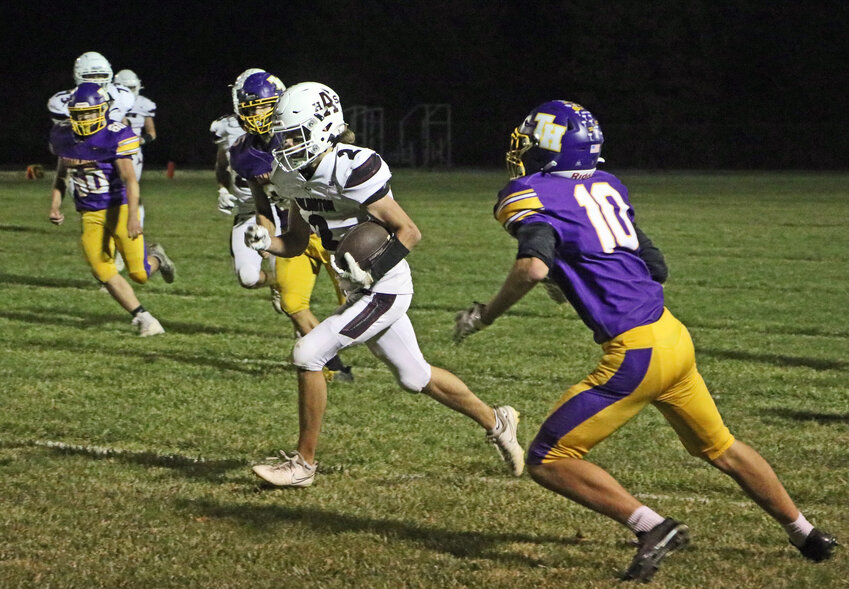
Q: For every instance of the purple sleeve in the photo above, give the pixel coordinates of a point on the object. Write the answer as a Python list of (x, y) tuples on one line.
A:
[(249, 162)]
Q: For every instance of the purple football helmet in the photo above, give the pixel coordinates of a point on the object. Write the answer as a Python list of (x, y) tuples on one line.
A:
[(557, 137), (87, 108), (257, 97)]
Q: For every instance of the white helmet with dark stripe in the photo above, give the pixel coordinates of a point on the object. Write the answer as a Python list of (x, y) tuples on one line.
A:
[(309, 120)]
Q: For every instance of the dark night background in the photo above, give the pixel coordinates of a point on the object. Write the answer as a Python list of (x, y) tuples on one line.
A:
[(675, 84)]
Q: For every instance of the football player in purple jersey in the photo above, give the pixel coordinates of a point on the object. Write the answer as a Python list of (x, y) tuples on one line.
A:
[(97, 157), (576, 234)]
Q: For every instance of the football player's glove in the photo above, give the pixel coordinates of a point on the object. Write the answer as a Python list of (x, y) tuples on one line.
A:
[(468, 322), (226, 201), (354, 277), (257, 238)]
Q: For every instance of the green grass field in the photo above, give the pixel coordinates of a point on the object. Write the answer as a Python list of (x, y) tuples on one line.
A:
[(125, 462)]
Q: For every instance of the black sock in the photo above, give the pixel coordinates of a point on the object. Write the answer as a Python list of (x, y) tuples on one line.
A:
[(137, 310), (335, 363)]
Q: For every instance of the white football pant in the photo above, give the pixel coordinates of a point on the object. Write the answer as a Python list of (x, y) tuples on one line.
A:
[(378, 320)]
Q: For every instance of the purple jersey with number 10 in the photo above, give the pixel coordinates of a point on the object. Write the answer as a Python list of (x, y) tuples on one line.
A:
[(597, 266)]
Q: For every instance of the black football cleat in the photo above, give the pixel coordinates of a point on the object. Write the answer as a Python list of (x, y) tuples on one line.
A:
[(818, 546), (654, 545)]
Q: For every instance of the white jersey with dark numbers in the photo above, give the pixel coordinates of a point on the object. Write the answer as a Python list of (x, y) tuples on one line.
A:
[(334, 200), (121, 101), (226, 131), (143, 108)]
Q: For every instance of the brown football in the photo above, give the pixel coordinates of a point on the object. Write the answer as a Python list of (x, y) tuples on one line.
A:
[(365, 243)]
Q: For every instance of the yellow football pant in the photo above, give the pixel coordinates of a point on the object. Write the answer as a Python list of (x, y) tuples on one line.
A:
[(649, 364), (296, 277), (101, 232)]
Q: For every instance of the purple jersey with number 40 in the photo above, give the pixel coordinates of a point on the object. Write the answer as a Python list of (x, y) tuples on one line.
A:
[(597, 265), (95, 179)]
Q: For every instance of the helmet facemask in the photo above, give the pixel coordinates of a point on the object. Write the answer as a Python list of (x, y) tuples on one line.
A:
[(519, 144), (87, 119), (299, 147), (256, 114)]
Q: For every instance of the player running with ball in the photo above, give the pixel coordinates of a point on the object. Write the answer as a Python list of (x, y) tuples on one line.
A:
[(340, 186)]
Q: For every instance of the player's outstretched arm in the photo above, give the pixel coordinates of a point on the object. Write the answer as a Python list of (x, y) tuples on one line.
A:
[(525, 274)]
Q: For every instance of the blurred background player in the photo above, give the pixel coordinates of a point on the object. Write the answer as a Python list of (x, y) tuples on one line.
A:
[(244, 155), (93, 67), (338, 186), (139, 118), (575, 228), (97, 157)]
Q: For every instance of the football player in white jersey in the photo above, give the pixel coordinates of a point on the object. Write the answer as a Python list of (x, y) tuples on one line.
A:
[(341, 185), (140, 116), (93, 67)]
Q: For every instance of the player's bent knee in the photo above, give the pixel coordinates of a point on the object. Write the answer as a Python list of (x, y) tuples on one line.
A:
[(292, 304), (139, 277), (307, 356), (248, 277), (414, 381), (541, 452), (104, 272)]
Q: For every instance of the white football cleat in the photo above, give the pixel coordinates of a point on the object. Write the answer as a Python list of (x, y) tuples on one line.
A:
[(505, 439), (286, 471), (147, 324), (166, 266)]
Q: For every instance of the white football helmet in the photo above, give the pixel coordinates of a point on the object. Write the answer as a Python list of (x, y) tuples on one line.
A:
[(308, 119), (240, 81), (129, 79), (92, 67)]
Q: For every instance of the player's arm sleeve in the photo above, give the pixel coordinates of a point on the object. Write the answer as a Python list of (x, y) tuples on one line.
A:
[(652, 256), (537, 240)]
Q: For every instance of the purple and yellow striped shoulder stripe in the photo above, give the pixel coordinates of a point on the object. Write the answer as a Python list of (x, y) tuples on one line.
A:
[(517, 206), (128, 146)]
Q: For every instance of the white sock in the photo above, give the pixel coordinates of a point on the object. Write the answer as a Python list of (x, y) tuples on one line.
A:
[(798, 530), (644, 519)]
